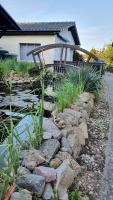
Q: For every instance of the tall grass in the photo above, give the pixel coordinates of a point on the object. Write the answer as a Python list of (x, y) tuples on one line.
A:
[(66, 93), (19, 67)]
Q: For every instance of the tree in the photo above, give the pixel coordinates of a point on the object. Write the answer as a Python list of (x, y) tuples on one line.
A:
[(107, 54), (94, 52)]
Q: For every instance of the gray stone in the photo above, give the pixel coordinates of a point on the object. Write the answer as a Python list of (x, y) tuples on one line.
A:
[(21, 195), (65, 178), (22, 171), (72, 163), (65, 145), (49, 106), (83, 133), (63, 194), (87, 101), (32, 158), (47, 172), (73, 140), (48, 192), (47, 135), (68, 117), (49, 148), (51, 128), (33, 183)]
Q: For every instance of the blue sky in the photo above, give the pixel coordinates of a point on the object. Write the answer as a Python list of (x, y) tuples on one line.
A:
[(94, 18)]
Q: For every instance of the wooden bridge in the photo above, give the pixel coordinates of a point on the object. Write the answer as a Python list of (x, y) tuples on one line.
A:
[(60, 65)]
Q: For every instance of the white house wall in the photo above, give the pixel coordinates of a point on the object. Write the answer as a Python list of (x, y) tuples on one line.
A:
[(12, 44), (68, 36)]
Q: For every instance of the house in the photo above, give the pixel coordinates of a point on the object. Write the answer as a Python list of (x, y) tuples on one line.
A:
[(6, 23), (32, 35)]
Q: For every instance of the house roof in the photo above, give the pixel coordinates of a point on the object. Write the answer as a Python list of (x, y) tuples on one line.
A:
[(46, 26), (6, 21), (51, 27)]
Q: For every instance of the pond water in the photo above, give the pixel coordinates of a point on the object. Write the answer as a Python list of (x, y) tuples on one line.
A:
[(23, 101)]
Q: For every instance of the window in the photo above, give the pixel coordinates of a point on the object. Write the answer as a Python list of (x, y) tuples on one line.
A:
[(25, 48)]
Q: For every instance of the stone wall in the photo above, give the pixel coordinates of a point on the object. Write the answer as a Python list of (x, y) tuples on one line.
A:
[(52, 167)]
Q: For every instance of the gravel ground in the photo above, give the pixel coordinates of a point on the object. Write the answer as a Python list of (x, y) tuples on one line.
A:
[(106, 192), (92, 157)]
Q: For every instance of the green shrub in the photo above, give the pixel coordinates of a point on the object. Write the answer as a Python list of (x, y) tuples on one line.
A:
[(91, 80)]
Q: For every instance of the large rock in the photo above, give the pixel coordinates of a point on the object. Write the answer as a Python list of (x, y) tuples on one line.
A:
[(65, 177), (47, 172), (49, 148), (32, 158), (50, 127), (83, 132), (33, 183), (48, 192), (21, 195), (65, 145), (73, 140), (87, 101), (72, 163), (68, 117), (85, 97)]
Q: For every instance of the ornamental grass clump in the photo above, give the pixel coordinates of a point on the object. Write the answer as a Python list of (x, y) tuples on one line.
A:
[(66, 93), (92, 82)]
